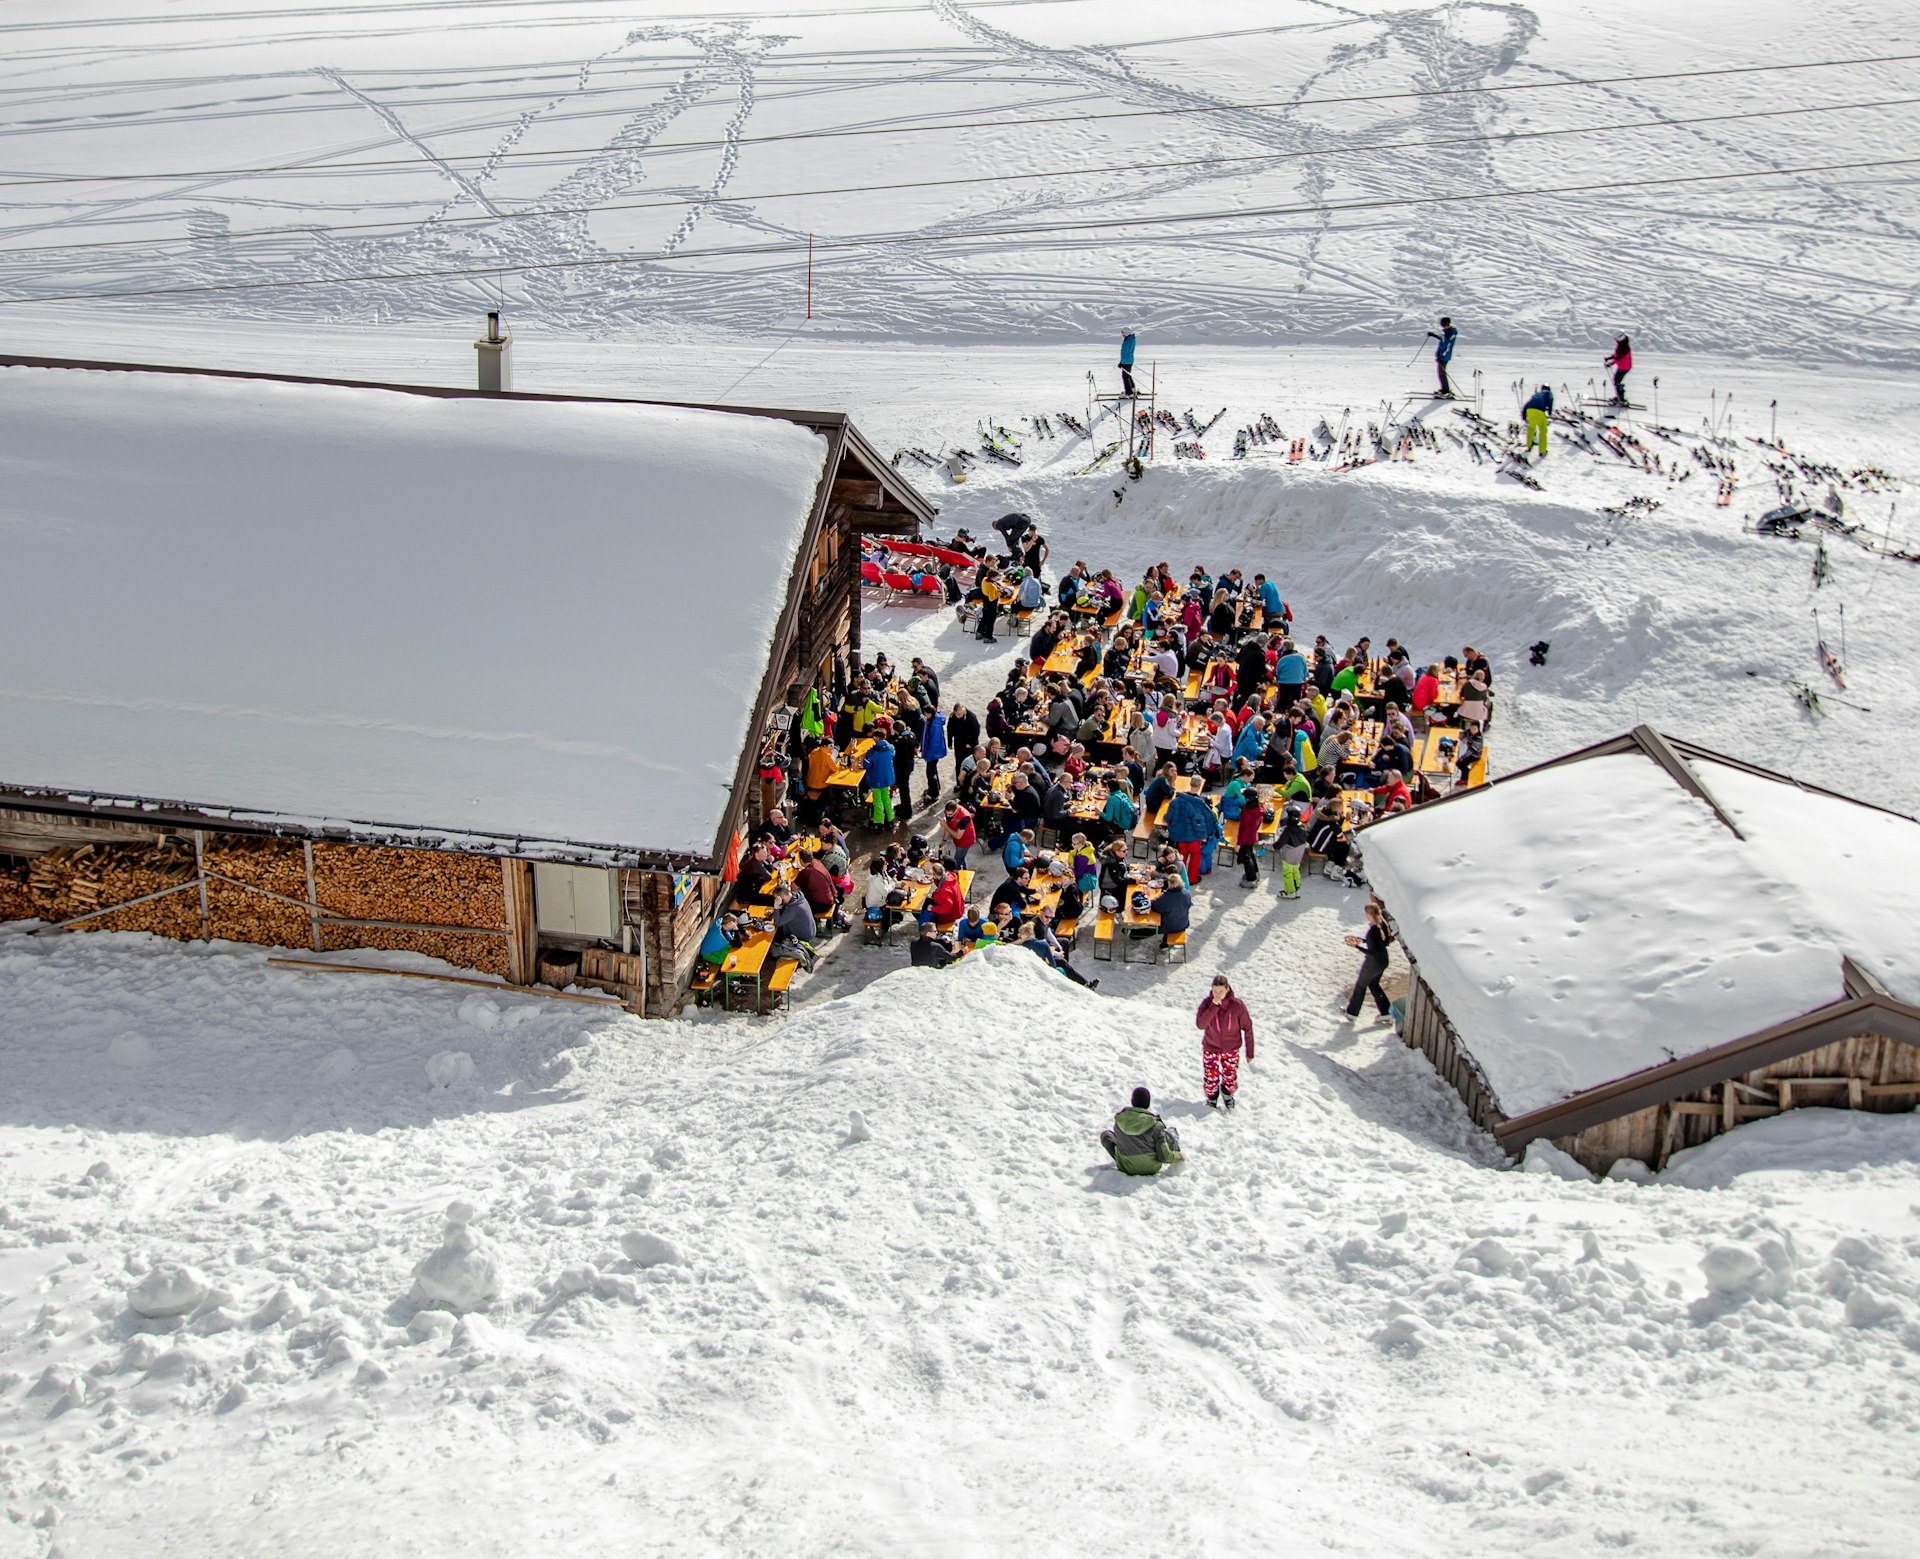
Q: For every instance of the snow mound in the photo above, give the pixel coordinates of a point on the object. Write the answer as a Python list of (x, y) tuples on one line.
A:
[(170, 1289), (132, 1051), (447, 1068), (650, 1250), (1797, 1142), (463, 1273)]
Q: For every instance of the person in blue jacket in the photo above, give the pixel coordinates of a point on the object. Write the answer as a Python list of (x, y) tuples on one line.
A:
[(933, 747), (1126, 364), (1272, 604), (1289, 675), (1192, 825), (1444, 339), (1538, 410), (1252, 744), (879, 780)]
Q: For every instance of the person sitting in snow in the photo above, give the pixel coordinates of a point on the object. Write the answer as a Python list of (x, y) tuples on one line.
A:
[(1139, 1142)]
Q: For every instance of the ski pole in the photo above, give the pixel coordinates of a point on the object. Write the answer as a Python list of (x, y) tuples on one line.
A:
[(1773, 423), (1416, 354), (1656, 397)]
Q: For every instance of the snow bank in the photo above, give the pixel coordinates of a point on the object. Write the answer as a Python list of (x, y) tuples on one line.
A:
[(529, 620)]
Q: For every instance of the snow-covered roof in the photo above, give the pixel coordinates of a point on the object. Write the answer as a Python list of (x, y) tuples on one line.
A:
[(506, 618), (1587, 920)]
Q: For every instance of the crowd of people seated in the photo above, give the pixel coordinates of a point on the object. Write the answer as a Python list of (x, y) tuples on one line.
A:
[(1187, 708)]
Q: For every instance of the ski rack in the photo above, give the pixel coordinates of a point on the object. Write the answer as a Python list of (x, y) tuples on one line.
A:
[(1139, 449)]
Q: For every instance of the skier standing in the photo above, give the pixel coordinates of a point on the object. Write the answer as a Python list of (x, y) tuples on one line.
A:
[(1622, 364), (1126, 365), (1225, 1029), (1538, 410), (1443, 339)]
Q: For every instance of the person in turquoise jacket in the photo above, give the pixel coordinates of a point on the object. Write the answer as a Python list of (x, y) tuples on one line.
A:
[(1126, 364)]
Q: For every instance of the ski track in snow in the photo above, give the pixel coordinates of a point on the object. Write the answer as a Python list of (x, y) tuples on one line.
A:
[(1808, 267)]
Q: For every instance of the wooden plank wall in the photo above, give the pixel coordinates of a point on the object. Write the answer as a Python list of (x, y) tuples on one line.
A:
[(1868, 1072), (673, 936), (1426, 1028)]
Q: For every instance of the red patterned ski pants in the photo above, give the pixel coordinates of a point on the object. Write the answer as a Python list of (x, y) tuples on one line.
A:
[(1223, 1071)]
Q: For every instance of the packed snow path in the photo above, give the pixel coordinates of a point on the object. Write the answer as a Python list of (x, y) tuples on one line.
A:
[(725, 1320)]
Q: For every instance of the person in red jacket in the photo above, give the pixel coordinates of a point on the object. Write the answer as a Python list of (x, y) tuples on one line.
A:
[(946, 904), (1224, 1029), (1621, 362), (957, 824), (1246, 839)]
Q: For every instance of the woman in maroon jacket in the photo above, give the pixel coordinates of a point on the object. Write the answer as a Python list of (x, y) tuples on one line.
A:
[(1225, 1028)]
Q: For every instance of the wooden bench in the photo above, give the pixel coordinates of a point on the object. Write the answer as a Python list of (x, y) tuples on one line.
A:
[(705, 979), (1103, 936), (1476, 775), (1176, 943), (779, 980), (1067, 931)]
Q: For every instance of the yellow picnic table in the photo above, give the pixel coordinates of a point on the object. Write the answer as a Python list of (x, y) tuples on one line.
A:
[(746, 962), (854, 774)]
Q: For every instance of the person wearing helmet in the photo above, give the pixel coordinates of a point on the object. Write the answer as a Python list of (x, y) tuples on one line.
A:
[(1139, 1142)]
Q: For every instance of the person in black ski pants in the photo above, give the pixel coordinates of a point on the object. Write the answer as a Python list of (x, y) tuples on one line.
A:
[(1443, 339), (1372, 965)]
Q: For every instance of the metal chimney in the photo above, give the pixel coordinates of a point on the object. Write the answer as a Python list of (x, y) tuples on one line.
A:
[(495, 353)]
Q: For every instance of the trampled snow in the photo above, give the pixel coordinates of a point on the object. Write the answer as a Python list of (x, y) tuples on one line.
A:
[(1335, 1329), (534, 620)]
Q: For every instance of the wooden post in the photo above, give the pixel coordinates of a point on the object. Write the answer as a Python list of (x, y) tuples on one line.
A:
[(313, 899), (523, 934), (1727, 1116), (200, 872)]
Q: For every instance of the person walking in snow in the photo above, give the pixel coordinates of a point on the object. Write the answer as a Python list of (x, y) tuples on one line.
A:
[(1443, 340), (1538, 410), (1622, 364), (1126, 364), (1140, 1143), (1225, 1029), (933, 747), (1373, 963)]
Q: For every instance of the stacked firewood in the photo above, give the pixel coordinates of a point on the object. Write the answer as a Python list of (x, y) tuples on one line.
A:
[(425, 887)]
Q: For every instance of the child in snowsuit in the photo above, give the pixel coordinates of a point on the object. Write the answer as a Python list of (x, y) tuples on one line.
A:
[(1538, 410), (1293, 850), (1140, 1143), (1225, 1029)]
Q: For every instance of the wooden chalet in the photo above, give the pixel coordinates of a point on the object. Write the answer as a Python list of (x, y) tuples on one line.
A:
[(220, 781), (1633, 948)]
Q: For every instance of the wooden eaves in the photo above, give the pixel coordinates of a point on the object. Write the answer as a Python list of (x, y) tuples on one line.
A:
[(1865, 1009)]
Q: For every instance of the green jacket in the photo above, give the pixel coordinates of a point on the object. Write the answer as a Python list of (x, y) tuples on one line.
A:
[(1137, 606), (810, 721), (1142, 1143)]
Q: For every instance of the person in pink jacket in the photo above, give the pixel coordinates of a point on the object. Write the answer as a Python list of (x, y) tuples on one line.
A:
[(1224, 1029)]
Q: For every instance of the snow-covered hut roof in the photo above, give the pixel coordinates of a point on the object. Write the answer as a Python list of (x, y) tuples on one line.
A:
[(459, 617), (1639, 903)]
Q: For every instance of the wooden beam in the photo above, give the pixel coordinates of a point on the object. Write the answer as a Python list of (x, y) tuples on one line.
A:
[(318, 966), (523, 939)]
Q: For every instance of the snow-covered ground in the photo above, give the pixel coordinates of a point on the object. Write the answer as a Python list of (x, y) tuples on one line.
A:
[(1344, 1326), (1338, 1329)]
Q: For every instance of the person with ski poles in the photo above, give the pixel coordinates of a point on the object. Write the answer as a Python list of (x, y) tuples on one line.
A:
[(1622, 364), (1537, 411), (1443, 339), (1126, 364)]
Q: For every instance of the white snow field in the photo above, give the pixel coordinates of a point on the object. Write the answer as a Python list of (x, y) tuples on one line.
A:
[(1338, 1328), (341, 1265)]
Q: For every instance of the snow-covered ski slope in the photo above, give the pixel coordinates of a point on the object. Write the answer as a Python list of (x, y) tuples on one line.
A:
[(1337, 1330), (1252, 160)]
